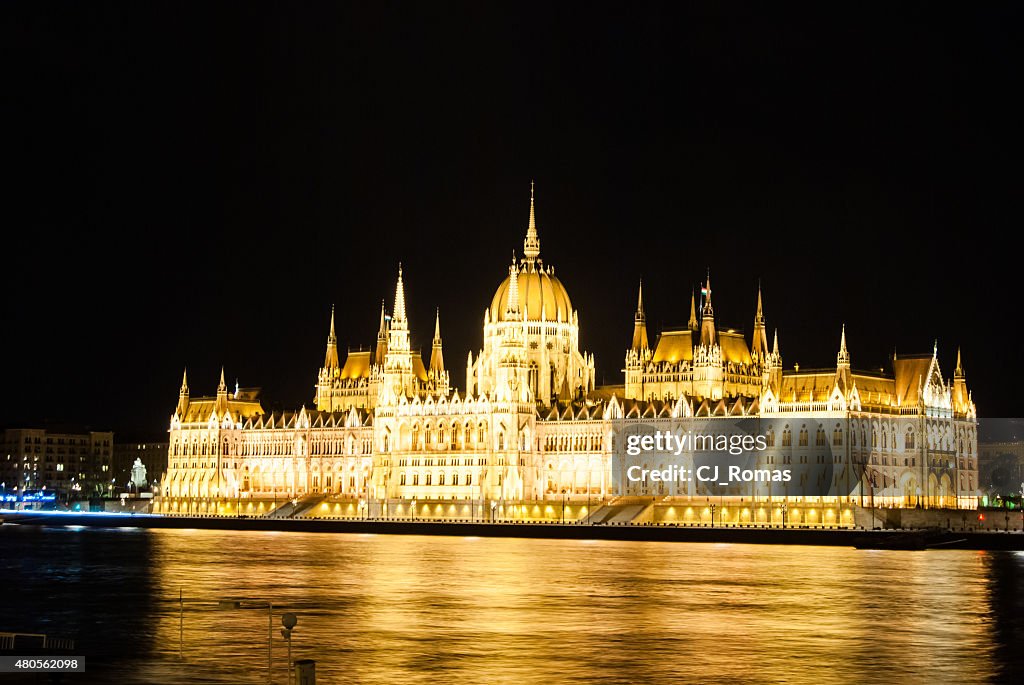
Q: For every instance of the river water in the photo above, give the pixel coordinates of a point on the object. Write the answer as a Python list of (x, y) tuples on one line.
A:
[(404, 609)]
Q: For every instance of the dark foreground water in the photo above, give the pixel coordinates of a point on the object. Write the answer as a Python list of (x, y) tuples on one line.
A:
[(396, 609)]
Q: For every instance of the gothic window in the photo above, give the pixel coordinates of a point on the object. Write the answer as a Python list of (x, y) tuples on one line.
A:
[(803, 437), (910, 439), (440, 479), (837, 436), (401, 480), (469, 479), (415, 479), (819, 438), (416, 436), (481, 435), (770, 438), (455, 479), (787, 438), (501, 440)]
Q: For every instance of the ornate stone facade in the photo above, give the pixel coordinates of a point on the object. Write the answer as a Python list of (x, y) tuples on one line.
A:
[(532, 425)]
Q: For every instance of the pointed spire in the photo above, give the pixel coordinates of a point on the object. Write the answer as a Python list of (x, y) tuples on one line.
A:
[(759, 316), (222, 386), (183, 395), (706, 292), (708, 337), (436, 355), (693, 311), (759, 345), (640, 323), (531, 245), (843, 358), (331, 356), (398, 317), (512, 308), (775, 344), (959, 371), (381, 350)]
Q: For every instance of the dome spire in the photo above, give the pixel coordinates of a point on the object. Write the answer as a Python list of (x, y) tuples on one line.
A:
[(531, 245)]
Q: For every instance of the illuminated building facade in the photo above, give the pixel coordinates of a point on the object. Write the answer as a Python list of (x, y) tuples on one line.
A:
[(71, 462), (533, 426)]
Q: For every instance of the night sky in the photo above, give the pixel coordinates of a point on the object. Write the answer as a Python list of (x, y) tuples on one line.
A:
[(195, 186)]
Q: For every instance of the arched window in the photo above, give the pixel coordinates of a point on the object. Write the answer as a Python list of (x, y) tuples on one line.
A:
[(910, 439), (455, 479), (501, 440), (440, 479), (401, 479)]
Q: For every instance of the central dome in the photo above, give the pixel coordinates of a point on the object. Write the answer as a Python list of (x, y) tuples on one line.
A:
[(539, 291)]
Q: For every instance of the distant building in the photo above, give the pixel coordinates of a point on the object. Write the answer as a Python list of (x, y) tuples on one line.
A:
[(1001, 467), (63, 460), (152, 454)]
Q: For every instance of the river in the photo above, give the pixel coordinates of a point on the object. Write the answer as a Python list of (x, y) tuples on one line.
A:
[(407, 609)]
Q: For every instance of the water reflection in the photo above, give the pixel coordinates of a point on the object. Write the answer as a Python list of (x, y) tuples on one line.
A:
[(427, 609)]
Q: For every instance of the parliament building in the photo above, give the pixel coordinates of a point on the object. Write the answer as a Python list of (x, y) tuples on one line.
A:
[(532, 436)]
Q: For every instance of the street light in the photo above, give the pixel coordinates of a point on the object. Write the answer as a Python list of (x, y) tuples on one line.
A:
[(563, 505), (289, 622)]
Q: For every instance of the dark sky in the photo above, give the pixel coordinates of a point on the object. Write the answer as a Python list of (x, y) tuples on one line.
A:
[(196, 185)]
